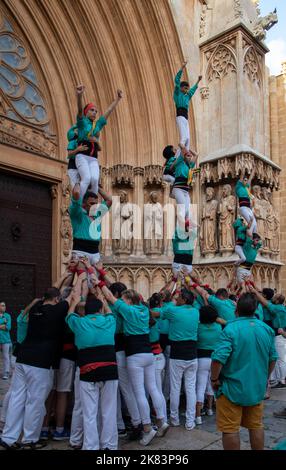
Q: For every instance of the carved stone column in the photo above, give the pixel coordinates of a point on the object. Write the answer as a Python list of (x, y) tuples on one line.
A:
[(138, 212), (106, 244)]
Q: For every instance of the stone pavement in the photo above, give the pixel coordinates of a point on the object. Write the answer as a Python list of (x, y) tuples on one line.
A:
[(204, 437)]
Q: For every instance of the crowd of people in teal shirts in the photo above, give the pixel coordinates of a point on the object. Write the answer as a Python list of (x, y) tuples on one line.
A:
[(132, 365)]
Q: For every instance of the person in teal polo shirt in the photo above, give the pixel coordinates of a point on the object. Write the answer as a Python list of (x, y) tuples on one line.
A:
[(5, 339), (94, 338), (140, 360), (208, 335), (277, 310), (242, 191), (87, 227), (183, 334), (169, 153), (88, 131), (184, 165), (240, 237), (220, 301), (73, 149), (250, 250), (241, 364), (182, 97), (183, 249)]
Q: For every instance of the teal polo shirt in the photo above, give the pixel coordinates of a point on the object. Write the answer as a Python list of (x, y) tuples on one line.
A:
[(225, 308), (198, 302), (181, 99), (86, 227), (250, 251), (84, 126), (208, 335), (245, 348), (277, 314), (169, 163), (164, 325), (154, 334), (5, 319), (182, 168), (240, 230), (259, 312), (135, 318), (22, 326), (184, 322), (182, 245), (241, 190), (92, 330)]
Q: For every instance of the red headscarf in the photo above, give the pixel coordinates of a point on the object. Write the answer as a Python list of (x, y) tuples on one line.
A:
[(88, 107)]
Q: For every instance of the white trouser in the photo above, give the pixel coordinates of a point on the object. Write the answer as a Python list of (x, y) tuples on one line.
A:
[(126, 388), (141, 370), (239, 251), (99, 398), (6, 358), (159, 371), (93, 257), (74, 177), (242, 274), (26, 410), (183, 201), (88, 169), (120, 422), (178, 268), (169, 179), (248, 214), (279, 373), (203, 378), (184, 131), (6, 400), (76, 434), (179, 369), (166, 383)]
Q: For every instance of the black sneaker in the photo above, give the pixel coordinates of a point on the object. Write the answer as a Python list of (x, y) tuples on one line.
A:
[(135, 434), (279, 385), (122, 433)]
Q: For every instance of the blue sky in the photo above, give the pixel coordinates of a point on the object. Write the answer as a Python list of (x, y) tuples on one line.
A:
[(276, 36)]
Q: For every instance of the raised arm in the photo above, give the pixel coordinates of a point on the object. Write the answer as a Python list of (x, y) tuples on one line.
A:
[(107, 197), (259, 296), (79, 91), (178, 78), (113, 104), (103, 274), (251, 176), (28, 308)]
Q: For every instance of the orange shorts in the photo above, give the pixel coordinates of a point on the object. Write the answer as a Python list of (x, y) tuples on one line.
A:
[(229, 417)]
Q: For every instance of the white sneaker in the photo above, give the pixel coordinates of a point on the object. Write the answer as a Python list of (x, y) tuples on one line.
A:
[(174, 423), (147, 437), (210, 412), (189, 428), (5, 377), (162, 430), (199, 420)]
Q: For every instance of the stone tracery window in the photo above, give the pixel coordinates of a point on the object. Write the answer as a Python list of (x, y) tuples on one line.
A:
[(20, 96)]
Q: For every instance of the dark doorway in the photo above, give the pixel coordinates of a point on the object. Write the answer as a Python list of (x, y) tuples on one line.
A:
[(25, 240)]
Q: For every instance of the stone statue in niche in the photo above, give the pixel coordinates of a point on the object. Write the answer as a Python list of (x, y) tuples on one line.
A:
[(226, 218), (268, 229), (153, 225), (259, 210), (275, 225), (124, 213), (208, 231)]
